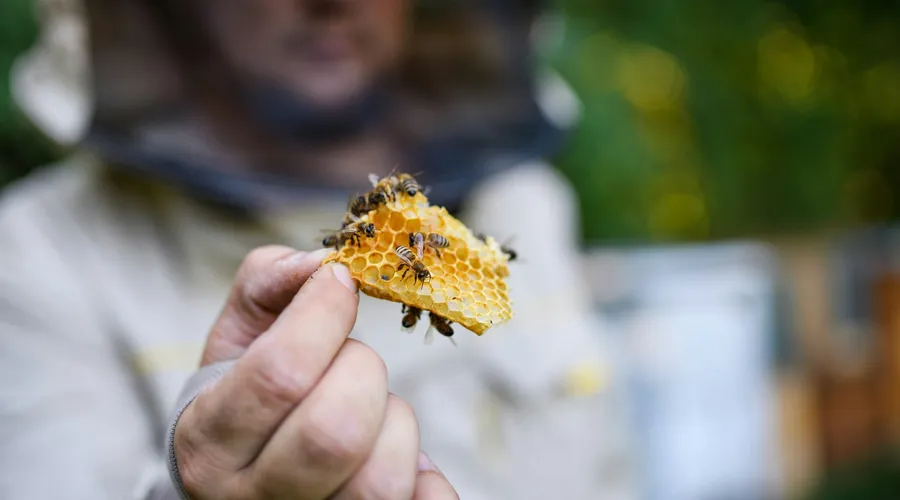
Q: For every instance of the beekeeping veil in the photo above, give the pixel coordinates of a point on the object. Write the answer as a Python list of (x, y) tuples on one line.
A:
[(115, 76)]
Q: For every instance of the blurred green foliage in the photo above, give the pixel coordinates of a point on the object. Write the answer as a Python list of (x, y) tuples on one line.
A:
[(702, 119), (875, 477), (22, 147), (724, 119)]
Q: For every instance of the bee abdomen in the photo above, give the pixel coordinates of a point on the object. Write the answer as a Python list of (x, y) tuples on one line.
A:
[(410, 186), (438, 241), (405, 253)]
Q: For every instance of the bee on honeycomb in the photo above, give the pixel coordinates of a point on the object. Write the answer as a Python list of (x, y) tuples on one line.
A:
[(462, 280)]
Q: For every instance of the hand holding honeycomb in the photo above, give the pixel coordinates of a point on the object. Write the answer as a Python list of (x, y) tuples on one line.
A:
[(400, 248)]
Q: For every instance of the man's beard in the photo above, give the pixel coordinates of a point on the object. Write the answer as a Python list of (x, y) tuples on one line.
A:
[(293, 119)]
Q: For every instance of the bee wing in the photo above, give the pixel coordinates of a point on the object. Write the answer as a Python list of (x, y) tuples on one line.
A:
[(429, 336), (373, 178)]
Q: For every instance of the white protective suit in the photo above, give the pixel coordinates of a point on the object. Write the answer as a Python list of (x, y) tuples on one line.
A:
[(108, 286)]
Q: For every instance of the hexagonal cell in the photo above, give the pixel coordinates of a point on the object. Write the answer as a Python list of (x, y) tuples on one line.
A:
[(392, 258), (454, 306), (478, 296), (412, 225), (426, 301), (375, 258), (448, 258), (462, 253), (441, 309), (371, 275), (379, 218), (358, 264), (384, 245), (474, 276), (387, 270), (475, 262), (397, 221), (451, 291), (462, 267)]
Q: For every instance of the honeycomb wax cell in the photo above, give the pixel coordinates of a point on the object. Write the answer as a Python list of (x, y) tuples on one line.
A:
[(467, 282)]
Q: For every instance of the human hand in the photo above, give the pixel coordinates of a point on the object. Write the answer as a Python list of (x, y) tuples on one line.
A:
[(305, 412)]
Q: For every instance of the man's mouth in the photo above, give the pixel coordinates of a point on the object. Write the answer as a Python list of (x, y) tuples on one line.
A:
[(327, 44)]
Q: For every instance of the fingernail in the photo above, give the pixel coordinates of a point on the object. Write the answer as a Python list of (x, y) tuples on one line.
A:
[(343, 275), (319, 255), (298, 257), (425, 464)]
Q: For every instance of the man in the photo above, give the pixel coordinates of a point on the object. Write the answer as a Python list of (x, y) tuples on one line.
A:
[(223, 137)]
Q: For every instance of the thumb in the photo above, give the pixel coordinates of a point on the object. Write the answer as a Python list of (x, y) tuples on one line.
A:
[(431, 484), (264, 285)]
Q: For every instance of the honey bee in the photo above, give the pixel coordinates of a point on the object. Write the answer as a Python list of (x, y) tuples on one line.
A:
[(410, 262), (382, 189), (436, 241), (408, 184), (358, 205), (411, 316), (418, 241), (356, 229), (332, 240), (442, 325), (378, 197), (511, 254)]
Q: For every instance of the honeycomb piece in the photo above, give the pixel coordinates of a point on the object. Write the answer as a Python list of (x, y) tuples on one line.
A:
[(467, 284)]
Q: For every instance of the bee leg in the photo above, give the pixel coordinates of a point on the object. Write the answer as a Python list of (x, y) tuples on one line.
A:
[(438, 252)]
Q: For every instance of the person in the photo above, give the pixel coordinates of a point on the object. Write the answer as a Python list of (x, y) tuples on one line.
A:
[(166, 326)]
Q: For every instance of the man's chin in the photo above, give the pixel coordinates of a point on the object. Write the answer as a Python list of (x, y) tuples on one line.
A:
[(321, 112)]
